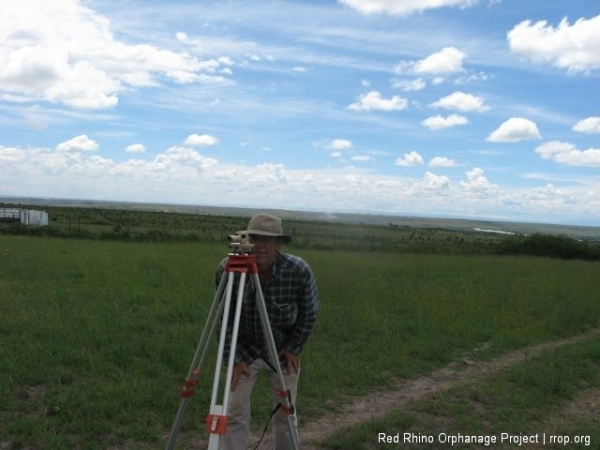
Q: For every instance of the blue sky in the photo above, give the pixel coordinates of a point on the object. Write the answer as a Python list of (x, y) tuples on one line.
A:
[(441, 108)]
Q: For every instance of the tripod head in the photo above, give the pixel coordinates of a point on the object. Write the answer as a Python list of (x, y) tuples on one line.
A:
[(240, 243)]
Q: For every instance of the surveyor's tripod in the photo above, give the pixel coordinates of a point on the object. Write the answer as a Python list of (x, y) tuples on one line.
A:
[(238, 266)]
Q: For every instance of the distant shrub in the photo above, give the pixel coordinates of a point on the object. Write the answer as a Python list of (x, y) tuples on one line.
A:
[(552, 246), (22, 230)]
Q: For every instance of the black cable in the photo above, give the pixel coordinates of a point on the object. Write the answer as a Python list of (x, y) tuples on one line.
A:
[(292, 411), (289, 396), (266, 427)]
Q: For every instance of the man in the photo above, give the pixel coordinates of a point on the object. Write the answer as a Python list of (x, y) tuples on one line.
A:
[(291, 298)]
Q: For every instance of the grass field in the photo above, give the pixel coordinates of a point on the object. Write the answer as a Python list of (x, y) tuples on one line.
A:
[(550, 401), (96, 336)]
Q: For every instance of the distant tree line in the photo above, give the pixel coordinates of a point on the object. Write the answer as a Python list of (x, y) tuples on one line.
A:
[(551, 246), (116, 234), (534, 245)]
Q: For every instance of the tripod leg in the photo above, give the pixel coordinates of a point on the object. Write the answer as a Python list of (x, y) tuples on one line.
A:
[(274, 357), (217, 419), (193, 375)]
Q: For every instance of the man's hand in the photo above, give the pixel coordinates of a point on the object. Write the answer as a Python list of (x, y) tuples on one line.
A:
[(239, 369), (293, 361)]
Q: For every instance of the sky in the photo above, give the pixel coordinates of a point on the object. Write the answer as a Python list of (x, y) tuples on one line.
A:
[(486, 109)]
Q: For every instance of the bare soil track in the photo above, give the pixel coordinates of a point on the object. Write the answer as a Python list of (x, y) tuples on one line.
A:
[(380, 404)]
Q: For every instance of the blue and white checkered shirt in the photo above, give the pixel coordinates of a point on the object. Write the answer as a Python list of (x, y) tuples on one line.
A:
[(291, 299)]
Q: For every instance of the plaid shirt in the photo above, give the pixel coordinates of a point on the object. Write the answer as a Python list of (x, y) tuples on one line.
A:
[(291, 299)]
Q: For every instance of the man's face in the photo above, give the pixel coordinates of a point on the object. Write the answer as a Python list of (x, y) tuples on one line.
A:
[(265, 248)]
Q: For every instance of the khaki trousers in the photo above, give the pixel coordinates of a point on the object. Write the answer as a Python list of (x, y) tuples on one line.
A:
[(238, 425)]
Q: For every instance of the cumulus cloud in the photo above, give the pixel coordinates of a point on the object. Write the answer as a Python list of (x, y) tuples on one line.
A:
[(183, 175), (185, 156), (78, 144), (566, 153), (68, 55), (11, 155), (205, 140), (461, 102), (477, 181), (94, 174), (268, 174), (572, 47), (591, 125), (402, 7), (340, 144), (439, 122), (373, 101), (515, 129), (442, 161), (435, 182), (448, 60), (410, 159), (135, 148)]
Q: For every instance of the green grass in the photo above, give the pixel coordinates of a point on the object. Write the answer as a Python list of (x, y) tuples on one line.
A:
[(96, 337), (102, 329), (518, 401)]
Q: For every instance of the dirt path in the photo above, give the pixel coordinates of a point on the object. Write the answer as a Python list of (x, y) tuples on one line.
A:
[(380, 404)]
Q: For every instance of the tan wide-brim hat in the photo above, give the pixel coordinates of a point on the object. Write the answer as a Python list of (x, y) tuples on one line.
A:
[(267, 225)]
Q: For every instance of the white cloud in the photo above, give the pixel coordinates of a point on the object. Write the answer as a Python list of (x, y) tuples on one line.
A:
[(95, 166), (440, 122), (373, 101), (448, 60), (66, 54), (361, 158), (205, 140), (442, 161), (591, 125), (549, 149), (11, 155), (268, 174), (402, 7), (135, 148), (435, 182), (568, 154), (461, 102), (572, 47), (183, 175), (185, 156), (418, 84), (340, 144), (78, 144), (515, 129), (477, 181), (410, 159)]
